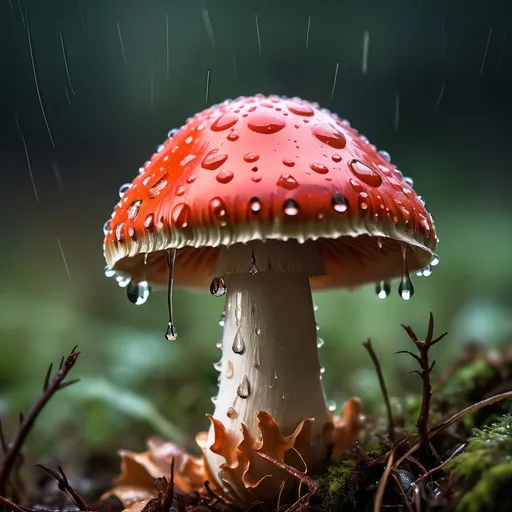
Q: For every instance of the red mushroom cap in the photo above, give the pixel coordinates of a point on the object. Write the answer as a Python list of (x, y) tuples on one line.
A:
[(262, 168)]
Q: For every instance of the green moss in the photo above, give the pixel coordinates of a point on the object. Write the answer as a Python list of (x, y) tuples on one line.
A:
[(464, 379), (483, 473), (334, 489)]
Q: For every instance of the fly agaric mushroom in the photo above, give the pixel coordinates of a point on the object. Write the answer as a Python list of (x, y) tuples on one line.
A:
[(265, 199)]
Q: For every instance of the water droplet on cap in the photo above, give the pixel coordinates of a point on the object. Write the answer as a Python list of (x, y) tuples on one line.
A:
[(339, 203), (320, 342), (365, 173), (123, 189), (291, 207), (179, 215), (409, 181), (319, 168), (265, 122), (251, 157), (109, 272), (385, 155), (238, 344), (222, 319), (224, 122), (255, 205), (287, 181), (213, 160), (435, 260), (224, 176), (331, 405), (329, 136), (155, 190), (133, 209)]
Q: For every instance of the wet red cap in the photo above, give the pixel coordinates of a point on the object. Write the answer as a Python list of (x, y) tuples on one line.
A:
[(263, 168)]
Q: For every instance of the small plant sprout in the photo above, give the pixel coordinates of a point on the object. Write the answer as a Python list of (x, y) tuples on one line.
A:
[(262, 200)]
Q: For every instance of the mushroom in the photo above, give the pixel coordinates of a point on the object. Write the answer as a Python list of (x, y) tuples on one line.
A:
[(264, 200)]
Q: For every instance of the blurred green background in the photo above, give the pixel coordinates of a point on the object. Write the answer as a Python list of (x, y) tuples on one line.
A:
[(436, 94)]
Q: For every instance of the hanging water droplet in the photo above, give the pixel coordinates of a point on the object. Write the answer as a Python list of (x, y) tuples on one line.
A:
[(319, 343), (322, 370), (109, 272), (383, 289), (123, 189), (409, 181), (138, 292), (331, 405), (435, 260), (405, 288), (425, 272), (219, 344), (231, 413), (238, 344), (244, 388), (379, 243), (106, 227), (253, 268), (218, 365), (271, 384), (315, 307), (218, 287), (339, 203), (222, 320), (171, 334), (123, 281), (275, 373), (214, 399)]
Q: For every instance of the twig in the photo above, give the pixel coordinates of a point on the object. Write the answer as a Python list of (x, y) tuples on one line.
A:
[(391, 425), (11, 505), (424, 373), (453, 419), (169, 493), (377, 504), (311, 484), (51, 386), (65, 486)]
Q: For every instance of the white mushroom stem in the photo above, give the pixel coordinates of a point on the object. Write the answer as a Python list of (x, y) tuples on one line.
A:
[(269, 321)]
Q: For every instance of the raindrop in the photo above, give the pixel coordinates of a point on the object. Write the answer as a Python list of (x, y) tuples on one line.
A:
[(329, 136), (331, 405), (385, 155), (409, 181), (339, 203), (233, 136), (288, 162), (244, 388), (319, 168), (251, 157), (238, 344), (106, 227), (230, 370), (179, 215), (213, 160), (109, 272), (383, 289), (222, 319), (405, 288), (155, 190), (365, 173), (172, 133), (287, 181), (435, 260), (255, 205), (224, 122), (336, 157), (120, 232), (138, 293), (123, 189), (171, 333), (231, 413), (363, 203), (133, 209), (291, 207), (224, 176), (320, 342), (218, 287), (266, 122)]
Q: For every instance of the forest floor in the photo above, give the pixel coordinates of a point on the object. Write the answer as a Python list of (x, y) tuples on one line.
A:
[(448, 448)]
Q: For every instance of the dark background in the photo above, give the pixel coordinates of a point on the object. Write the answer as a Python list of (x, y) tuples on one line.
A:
[(449, 63)]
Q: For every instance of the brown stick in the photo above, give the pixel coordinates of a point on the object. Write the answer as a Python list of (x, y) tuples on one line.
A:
[(27, 422), (391, 424)]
